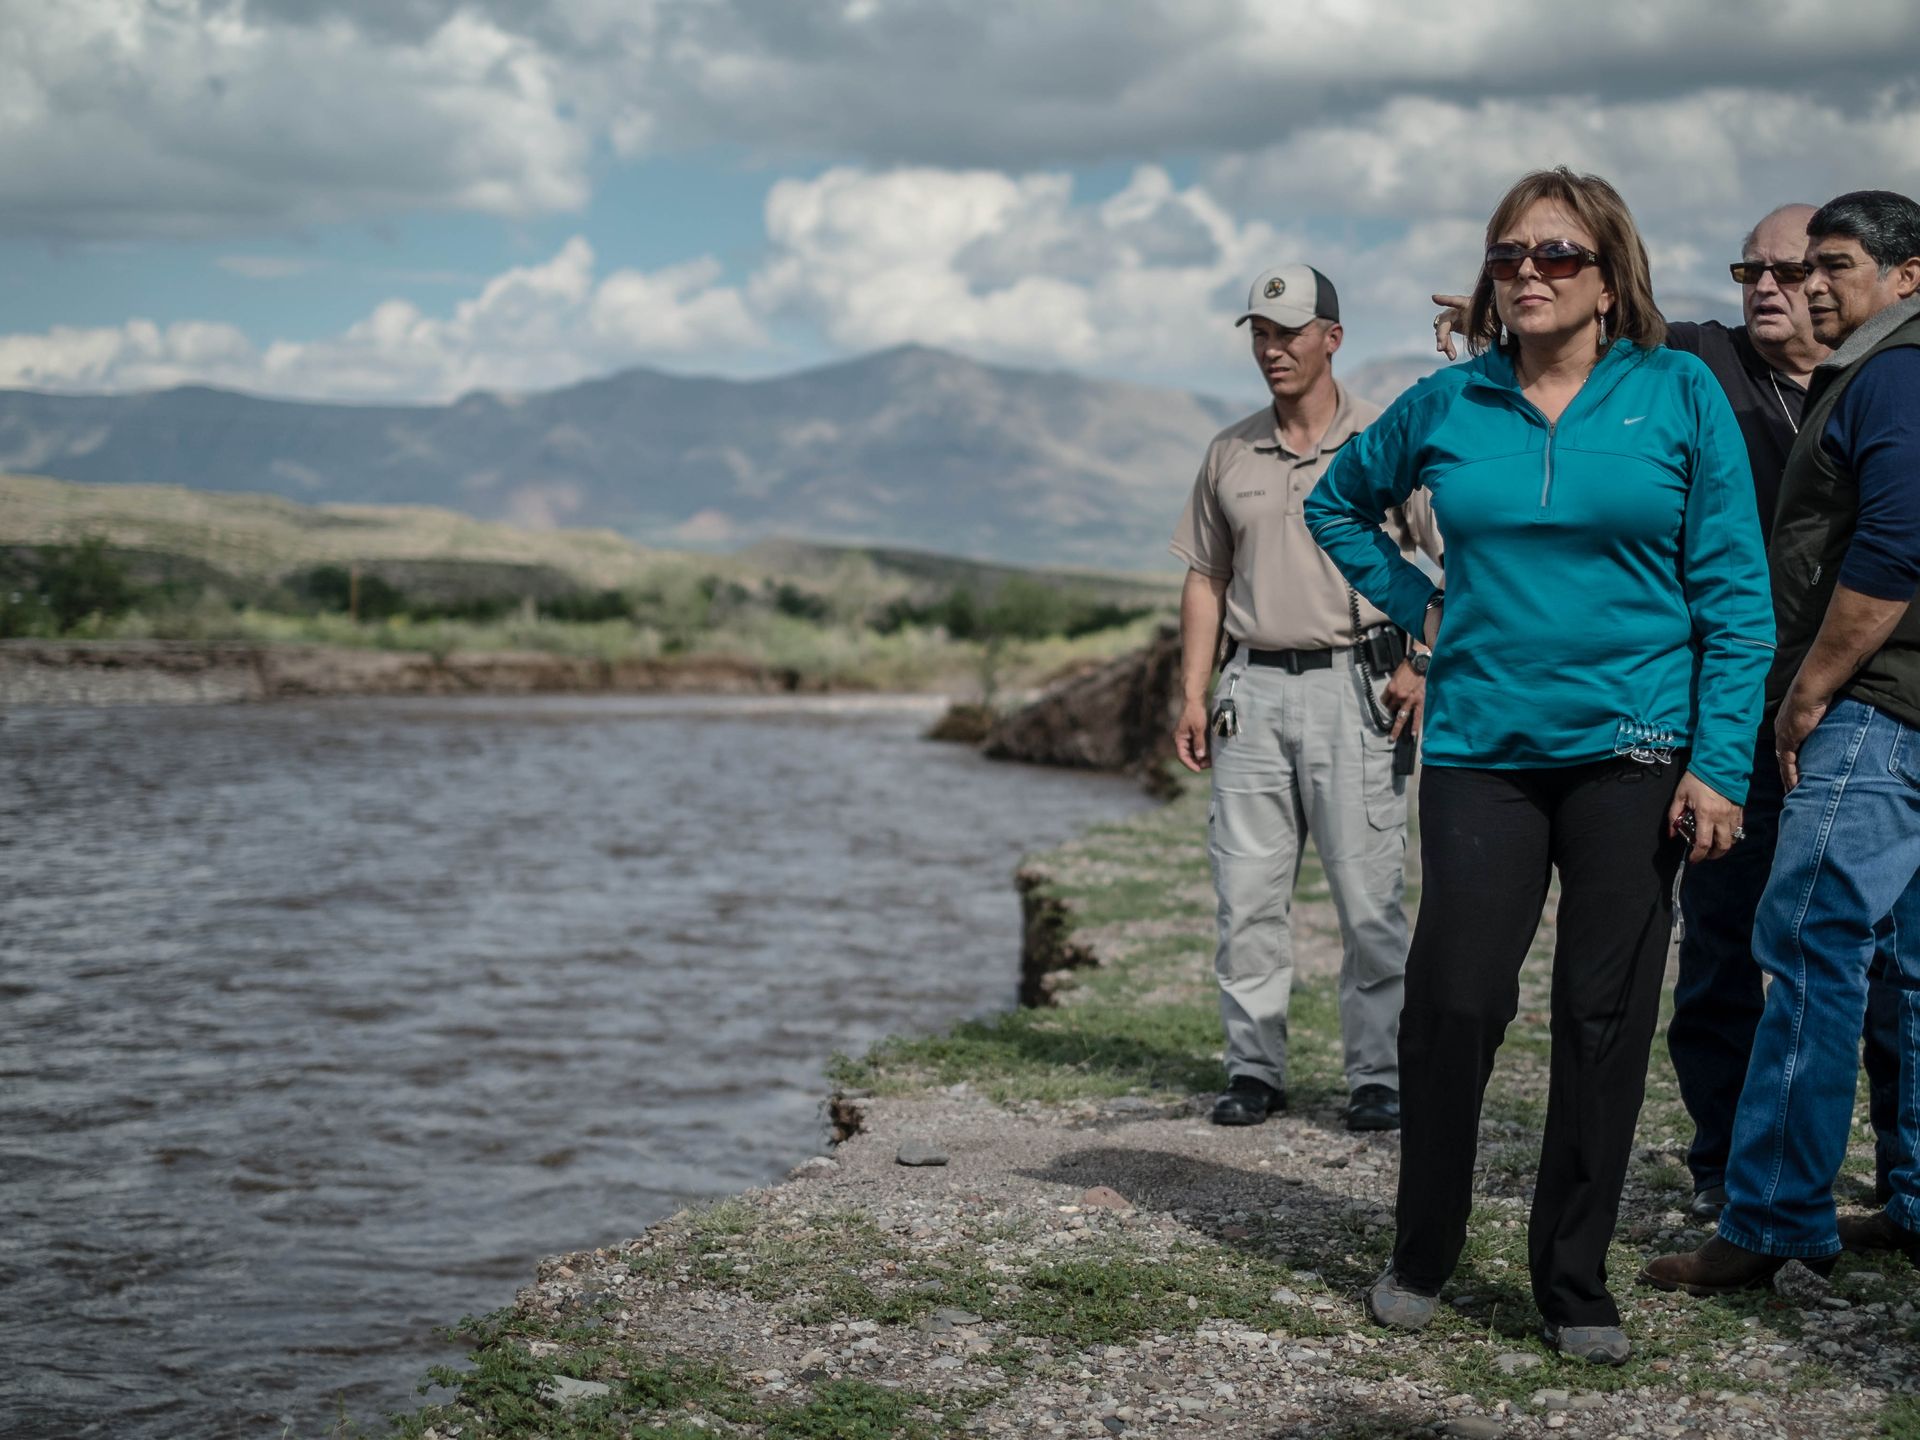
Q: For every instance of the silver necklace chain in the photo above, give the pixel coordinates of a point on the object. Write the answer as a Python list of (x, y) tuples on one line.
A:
[(1785, 410)]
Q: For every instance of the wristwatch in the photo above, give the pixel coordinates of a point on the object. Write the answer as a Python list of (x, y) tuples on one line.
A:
[(1419, 660)]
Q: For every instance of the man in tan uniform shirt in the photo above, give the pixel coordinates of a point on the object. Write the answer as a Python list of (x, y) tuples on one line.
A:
[(1309, 756)]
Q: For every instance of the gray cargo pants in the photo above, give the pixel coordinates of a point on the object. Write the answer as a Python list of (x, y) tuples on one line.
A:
[(1308, 761)]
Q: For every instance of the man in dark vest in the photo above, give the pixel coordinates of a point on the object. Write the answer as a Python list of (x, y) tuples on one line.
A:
[(1845, 690)]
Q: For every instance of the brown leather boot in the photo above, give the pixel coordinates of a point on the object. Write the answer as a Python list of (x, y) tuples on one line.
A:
[(1879, 1231), (1718, 1267)]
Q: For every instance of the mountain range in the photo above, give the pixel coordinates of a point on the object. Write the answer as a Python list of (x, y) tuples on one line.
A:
[(909, 447)]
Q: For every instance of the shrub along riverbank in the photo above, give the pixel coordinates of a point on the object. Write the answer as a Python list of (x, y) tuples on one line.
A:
[(817, 619), (127, 564), (1087, 1256)]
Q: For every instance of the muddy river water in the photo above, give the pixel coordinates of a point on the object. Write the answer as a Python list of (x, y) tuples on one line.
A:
[(321, 1022)]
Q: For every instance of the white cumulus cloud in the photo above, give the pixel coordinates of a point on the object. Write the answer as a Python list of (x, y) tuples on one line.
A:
[(1683, 158), (1013, 267), (126, 119), (532, 327), (1698, 169)]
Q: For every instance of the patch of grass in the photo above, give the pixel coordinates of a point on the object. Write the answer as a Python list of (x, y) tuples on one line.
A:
[(1115, 1294), (505, 1395), (1092, 1050), (505, 1392), (1115, 1291), (1107, 1291), (1124, 898), (729, 1247), (1665, 1178), (1899, 1418), (855, 1410)]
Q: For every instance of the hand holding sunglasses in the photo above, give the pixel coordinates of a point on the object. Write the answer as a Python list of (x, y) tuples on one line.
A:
[(1552, 259), (1686, 828)]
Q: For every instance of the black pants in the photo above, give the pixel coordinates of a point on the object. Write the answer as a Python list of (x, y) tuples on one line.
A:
[(1489, 841), (1718, 999)]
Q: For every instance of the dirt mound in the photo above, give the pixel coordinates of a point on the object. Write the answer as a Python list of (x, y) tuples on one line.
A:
[(1119, 716)]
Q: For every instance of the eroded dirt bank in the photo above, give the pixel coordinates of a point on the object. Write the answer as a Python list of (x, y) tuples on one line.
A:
[(49, 672)]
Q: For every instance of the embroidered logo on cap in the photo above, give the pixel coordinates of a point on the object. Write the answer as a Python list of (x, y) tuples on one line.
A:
[(1276, 287)]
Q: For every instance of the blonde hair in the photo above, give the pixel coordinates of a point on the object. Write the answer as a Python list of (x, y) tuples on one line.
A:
[(1623, 256)]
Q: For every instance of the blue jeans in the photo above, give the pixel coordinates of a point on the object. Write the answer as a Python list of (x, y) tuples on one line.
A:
[(1848, 852), (1718, 998)]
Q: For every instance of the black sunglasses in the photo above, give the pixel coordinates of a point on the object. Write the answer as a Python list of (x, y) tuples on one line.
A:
[(1552, 259), (1786, 272)]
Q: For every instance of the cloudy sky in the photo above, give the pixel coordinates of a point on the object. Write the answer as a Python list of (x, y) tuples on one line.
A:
[(408, 199)]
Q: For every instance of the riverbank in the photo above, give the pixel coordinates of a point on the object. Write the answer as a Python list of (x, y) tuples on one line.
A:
[(160, 672), (568, 660), (1030, 1229)]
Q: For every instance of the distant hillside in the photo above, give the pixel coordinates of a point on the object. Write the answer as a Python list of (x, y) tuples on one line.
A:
[(250, 542), (264, 537), (1382, 380), (909, 448)]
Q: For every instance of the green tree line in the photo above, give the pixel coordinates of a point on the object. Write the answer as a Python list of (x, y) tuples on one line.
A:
[(53, 590)]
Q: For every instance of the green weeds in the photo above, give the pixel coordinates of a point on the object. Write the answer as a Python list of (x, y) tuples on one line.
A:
[(1900, 1418), (507, 1393)]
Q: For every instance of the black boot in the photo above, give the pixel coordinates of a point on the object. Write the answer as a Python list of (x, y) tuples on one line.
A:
[(1247, 1102), (1374, 1107)]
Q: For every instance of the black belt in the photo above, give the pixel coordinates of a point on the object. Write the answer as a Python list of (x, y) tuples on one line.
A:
[(1291, 661)]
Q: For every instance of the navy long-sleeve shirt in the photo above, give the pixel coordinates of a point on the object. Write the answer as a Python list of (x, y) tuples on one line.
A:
[(1875, 431)]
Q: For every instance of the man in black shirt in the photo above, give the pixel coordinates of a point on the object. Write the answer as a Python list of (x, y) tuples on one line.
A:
[(1763, 366)]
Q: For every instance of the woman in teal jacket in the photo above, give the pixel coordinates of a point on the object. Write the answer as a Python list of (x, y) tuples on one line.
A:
[(1598, 659)]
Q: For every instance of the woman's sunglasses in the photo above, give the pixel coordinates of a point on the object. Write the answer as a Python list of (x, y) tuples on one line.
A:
[(1552, 259), (1785, 272)]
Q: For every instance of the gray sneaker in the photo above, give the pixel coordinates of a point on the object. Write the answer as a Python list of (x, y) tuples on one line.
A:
[(1391, 1304), (1600, 1344)]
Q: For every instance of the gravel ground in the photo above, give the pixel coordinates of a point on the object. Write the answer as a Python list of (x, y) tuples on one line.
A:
[(1111, 1264)]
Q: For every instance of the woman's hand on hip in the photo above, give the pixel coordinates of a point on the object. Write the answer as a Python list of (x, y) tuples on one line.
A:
[(1716, 819)]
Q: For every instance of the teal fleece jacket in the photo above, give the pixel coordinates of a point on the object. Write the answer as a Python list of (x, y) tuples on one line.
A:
[(1606, 585)]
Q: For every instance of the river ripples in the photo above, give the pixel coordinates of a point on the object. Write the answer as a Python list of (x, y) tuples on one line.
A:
[(319, 1023)]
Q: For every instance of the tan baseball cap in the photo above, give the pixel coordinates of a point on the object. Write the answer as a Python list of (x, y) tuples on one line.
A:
[(1292, 296)]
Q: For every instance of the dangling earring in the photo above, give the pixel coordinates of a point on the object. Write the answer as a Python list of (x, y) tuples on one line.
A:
[(1603, 329), (1503, 334)]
